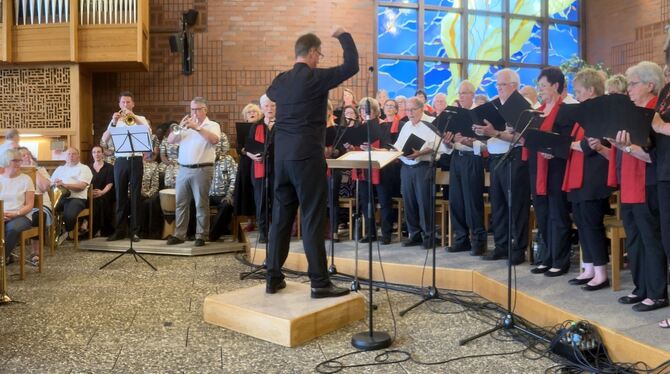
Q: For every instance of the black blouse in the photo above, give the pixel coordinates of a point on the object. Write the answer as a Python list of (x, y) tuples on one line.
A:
[(102, 178)]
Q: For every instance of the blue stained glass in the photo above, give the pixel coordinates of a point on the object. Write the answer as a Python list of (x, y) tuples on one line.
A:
[(570, 13), (399, 1), (528, 76), (446, 3), (563, 43), (487, 85), (531, 50), (492, 5), (438, 76), (397, 77), (433, 44), (396, 31)]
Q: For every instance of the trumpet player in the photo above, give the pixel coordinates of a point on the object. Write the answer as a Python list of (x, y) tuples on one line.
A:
[(197, 140), (124, 163)]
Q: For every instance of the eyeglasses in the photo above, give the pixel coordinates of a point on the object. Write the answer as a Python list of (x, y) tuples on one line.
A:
[(413, 109), (319, 53), (17, 160), (503, 84), (466, 93), (196, 109), (631, 84)]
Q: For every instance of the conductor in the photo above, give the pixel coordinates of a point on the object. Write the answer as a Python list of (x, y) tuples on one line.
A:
[(301, 95)]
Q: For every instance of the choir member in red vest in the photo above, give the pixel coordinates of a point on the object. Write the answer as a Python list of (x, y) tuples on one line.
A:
[(633, 168), (586, 184)]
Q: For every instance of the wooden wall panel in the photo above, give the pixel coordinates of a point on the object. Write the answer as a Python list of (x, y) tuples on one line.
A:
[(41, 43), (107, 43)]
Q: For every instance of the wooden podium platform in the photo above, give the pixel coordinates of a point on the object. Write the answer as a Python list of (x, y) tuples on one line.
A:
[(289, 317)]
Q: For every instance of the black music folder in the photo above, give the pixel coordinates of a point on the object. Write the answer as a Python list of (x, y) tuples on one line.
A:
[(331, 133), (604, 116), (490, 113), (517, 111), (358, 135), (242, 131), (552, 143), (461, 122), (412, 143), (255, 147)]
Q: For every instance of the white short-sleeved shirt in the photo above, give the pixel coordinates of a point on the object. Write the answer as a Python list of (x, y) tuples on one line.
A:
[(74, 174), (425, 133), (194, 148), (13, 192)]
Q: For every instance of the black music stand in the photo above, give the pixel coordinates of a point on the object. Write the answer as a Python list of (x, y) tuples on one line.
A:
[(131, 139)]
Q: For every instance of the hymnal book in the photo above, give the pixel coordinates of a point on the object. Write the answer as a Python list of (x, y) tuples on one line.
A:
[(461, 122), (517, 111), (412, 143), (358, 135), (552, 143), (488, 112), (255, 147)]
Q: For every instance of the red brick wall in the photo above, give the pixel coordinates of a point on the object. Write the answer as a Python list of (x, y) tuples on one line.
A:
[(621, 33), (240, 46)]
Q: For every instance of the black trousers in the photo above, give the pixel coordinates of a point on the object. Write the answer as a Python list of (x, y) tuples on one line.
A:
[(71, 208), (220, 225), (520, 204), (589, 217), (646, 257), (664, 209), (303, 183), (553, 221), (466, 201), (335, 179), (126, 204), (261, 198), (384, 196)]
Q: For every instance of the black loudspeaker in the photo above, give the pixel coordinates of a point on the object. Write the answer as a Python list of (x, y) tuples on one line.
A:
[(190, 17)]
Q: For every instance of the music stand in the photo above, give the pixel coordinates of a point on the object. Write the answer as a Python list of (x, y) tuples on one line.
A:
[(369, 340), (128, 140)]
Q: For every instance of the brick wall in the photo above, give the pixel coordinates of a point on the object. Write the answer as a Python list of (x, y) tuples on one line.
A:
[(240, 46), (621, 33)]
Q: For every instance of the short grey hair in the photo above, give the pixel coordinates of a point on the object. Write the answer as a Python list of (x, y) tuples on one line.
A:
[(400, 98), (8, 156), (374, 106), (440, 94), (200, 100), (514, 76), (264, 99), (647, 72), (466, 82), (416, 101), (12, 134)]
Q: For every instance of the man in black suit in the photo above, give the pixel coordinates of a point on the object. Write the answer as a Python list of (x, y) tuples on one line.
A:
[(301, 95)]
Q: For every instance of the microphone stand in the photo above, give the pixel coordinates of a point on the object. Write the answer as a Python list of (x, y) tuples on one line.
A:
[(432, 293), (334, 201), (370, 340), (507, 321)]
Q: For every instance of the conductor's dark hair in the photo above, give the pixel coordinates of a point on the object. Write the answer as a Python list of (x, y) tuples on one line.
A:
[(554, 75), (305, 43), (126, 94)]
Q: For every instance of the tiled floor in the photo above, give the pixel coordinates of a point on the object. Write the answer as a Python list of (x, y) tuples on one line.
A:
[(128, 318)]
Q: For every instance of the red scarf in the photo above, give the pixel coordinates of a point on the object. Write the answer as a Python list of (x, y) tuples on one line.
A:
[(259, 136), (574, 170), (633, 173), (543, 163), (395, 125), (359, 174)]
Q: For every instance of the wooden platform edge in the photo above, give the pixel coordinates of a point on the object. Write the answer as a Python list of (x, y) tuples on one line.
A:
[(621, 348)]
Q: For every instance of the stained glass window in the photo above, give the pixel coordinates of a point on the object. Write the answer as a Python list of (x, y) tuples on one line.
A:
[(434, 44)]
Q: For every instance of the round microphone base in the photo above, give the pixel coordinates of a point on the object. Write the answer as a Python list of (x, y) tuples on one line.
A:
[(371, 341)]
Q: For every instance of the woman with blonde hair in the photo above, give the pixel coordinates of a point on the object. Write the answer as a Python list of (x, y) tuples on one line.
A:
[(17, 191)]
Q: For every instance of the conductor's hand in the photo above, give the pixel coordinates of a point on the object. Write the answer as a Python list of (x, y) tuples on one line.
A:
[(485, 130), (337, 31)]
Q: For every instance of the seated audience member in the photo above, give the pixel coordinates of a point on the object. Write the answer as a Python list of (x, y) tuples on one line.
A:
[(43, 182), (75, 177), (222, 190), (168, 155), (150, 216), (102, 184), (11, 140), (18, 195)]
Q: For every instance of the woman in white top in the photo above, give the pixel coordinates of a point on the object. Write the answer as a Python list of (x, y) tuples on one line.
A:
[(42, 185), (18, 193)]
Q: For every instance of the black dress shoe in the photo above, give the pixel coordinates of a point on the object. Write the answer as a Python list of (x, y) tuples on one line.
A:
[(579, 282), (630, 300), (366, 239), (552, 274), (386, 240), (199, 243), (597, 287), (136, 238), (492, 256), (411, 242), (116, 236), (328, 291), (658, 303), (262, 239), (539, 270), (273, 288), (172, 240)]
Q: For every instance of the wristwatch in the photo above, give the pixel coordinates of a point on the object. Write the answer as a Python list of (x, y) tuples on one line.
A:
[(628, 149)]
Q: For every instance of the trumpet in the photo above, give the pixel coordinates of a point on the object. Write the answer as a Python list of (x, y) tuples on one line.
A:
[(126, 117), (177, 128)]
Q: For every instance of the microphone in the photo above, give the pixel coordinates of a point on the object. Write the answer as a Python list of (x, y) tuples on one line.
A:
[(371, 69)]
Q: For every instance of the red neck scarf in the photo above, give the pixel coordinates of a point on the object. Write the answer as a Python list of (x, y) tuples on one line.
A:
[(359, 174), (633, 172), (259, 136), (543, 163), (395, 125), (574, 170)]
